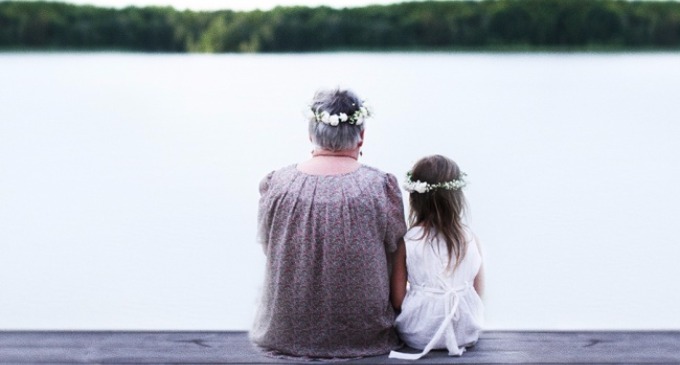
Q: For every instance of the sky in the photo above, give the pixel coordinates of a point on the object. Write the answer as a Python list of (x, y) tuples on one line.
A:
[(229, 4)]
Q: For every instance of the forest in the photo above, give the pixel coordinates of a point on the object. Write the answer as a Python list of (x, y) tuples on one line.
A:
[(424, 25)]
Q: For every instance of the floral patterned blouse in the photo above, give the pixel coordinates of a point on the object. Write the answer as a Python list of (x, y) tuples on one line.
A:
[(327, 239)]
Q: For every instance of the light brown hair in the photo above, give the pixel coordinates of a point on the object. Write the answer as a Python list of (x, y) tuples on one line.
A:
[(439, 211)]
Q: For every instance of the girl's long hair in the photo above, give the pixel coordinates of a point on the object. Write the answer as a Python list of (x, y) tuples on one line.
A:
[(440, 211)]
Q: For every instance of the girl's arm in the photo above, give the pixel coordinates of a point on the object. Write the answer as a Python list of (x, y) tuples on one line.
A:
[(479, 279), (399, 276)]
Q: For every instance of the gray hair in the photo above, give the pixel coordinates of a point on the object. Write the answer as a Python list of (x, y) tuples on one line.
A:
[(344, 136)]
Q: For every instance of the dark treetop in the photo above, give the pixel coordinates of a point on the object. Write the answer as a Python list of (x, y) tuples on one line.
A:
[(428, 25)]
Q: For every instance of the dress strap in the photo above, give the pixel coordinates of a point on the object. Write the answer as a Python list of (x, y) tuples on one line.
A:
[(453, 300)]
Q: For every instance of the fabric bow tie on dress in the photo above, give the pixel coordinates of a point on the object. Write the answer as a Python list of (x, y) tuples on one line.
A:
[(452, 297)]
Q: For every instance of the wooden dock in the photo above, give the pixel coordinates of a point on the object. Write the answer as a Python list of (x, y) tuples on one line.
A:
[(494, 347)]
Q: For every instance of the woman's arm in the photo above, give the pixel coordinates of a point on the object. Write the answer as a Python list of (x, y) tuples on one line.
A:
[(263, 213), (479, 279), (399, 276)]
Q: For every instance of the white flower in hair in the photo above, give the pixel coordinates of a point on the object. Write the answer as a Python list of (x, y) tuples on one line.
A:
[(423, 187), (325, 117), (356, 118), (420, 186)]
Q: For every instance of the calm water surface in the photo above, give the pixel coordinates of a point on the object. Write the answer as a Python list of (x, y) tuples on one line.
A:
[(128, 183)]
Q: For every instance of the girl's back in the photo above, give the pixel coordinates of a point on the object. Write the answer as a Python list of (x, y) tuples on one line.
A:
[(428, 262), (435, 290)]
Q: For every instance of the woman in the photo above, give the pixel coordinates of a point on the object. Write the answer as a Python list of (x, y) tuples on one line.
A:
[(327, 226)]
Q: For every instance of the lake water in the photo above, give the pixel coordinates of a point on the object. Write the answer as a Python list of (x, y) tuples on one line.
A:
[(128, 182)]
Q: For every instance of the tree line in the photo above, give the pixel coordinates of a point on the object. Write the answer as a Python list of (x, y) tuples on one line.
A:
[(429, 25)]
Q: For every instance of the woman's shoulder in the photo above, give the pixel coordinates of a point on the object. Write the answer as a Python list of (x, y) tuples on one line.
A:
[(364, 176), (363, 169), (266, 181), (370, 169), (280, 172), (373, 170), (387, 179)]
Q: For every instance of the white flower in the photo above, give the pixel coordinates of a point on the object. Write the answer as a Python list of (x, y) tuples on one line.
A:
[(325, 117), (357, 117), (364, 111), (420, 186), (423, 187), (415, 186)]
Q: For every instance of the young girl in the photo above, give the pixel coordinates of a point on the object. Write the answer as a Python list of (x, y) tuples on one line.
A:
[(441, 260)]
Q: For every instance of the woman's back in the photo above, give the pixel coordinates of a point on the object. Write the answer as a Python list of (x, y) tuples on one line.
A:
[(326, 292)]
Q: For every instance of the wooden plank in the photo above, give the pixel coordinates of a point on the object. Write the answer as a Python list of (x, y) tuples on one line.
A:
[(621, 347)]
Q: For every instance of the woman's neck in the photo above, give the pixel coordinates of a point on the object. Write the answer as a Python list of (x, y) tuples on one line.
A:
[(326, 162), (354, 153)]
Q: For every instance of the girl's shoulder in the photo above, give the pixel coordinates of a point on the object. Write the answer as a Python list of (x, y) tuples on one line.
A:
[(415, 233), (469, 235)]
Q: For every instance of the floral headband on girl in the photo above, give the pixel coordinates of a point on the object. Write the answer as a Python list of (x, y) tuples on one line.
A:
[(423, 187), (334, 119)]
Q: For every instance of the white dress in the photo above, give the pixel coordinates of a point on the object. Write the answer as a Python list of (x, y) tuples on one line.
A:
[(441, 309)]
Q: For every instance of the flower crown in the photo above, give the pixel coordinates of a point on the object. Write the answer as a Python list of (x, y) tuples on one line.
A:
[(335, 119), (423, 187)]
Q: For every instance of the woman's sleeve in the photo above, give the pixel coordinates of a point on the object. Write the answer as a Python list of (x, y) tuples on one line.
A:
[(396, 223), (263, 214)]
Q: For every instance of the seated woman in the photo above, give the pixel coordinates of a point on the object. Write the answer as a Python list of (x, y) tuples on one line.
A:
[(327, 226)]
